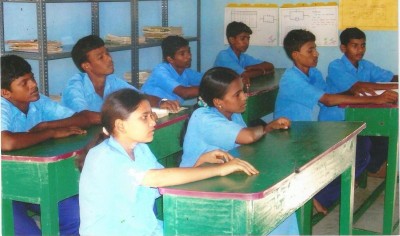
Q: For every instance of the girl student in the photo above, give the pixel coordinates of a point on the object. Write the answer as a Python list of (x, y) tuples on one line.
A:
[(219, 125), (120, 176)]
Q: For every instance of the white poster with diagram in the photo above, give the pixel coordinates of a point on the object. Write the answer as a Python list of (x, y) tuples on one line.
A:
[(322, 21), (263, 21)]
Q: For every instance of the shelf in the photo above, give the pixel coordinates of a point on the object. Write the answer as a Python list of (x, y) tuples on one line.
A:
[(43, 57), (66, 53)]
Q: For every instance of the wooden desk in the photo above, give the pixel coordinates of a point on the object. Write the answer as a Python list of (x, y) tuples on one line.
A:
[(166, 142), (294, 165), (42, 174), (381, 120), (262, 96)]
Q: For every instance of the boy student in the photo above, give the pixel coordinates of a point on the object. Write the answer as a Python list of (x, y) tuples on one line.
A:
[(28, 118), (173, 79), (354, 74), (87, 90), (302, 88), (238, 35)]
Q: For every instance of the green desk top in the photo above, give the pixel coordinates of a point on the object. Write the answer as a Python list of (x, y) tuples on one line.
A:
[(278, 155), (57, 149), (266, 83), (52, 149)]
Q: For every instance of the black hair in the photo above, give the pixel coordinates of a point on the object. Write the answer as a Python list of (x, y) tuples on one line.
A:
[(351, 33), (82, 47), (13, 67), (118, 105), (171, 44), (295, 39), (235, 28), (215, 82)]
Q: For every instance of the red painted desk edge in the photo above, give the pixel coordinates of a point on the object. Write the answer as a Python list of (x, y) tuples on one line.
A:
[(172, 121), (39, 159), (256, 92), (387, 105), (257, 195)]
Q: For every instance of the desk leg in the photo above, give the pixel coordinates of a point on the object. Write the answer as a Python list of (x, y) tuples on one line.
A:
[(304, 216), (7, 217), (49, 206), (346, 203), (390, 188)]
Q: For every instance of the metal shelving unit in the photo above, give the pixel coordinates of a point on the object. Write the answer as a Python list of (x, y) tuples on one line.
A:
[(43, 57)]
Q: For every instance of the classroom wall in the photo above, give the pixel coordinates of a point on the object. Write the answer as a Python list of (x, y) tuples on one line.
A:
[(70, 21), (382, 46)]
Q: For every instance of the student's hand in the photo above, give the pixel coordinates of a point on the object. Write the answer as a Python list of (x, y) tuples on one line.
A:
[(358, 89), (216, 156), (238, 165), (245, 80), (67, 131), (171, 105), (388, 96), (280, 123)]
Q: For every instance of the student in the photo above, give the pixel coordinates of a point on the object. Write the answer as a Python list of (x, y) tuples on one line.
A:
[(234, 57), (88, 89), (302, 88), (173, 79), (219, 125), (120, 176), (28, 118), (358, 76)]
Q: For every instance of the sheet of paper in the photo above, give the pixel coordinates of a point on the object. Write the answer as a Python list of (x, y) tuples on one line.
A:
[(369, 14), (261, 18), (322, 21)]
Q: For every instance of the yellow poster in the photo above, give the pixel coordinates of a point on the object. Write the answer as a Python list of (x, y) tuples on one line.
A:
[(368, 14)]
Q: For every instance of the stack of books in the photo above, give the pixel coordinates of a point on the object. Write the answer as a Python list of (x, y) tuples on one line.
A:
[(159, 32), (33, 46)]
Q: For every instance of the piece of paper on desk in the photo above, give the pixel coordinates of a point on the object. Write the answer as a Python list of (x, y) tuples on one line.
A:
[(180, 109), (379, 92), (164, 112), (160, 112)]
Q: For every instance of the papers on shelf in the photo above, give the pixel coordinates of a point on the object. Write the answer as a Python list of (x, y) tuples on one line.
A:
[(32, 45), (143, 75), (111, 39), (159, 32)]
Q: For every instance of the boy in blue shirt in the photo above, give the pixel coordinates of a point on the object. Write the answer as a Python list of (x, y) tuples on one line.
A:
[(302, 88), (234, 57), (173, 79), (354, 74), (28, 118), (88, 89)]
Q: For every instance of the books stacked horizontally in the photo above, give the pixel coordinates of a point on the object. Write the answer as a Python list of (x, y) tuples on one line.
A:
[(111, 39), (33, 46), (159, 32), (143, 75)]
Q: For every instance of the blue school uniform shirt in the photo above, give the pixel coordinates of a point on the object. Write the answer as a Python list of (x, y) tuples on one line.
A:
[(209, 130), (44, 109), (111, 197), (342, 75), (164, 79), (80, 95), (299, 94), (227, 58)]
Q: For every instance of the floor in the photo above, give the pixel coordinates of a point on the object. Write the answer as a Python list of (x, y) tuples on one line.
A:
[(371, 220)]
